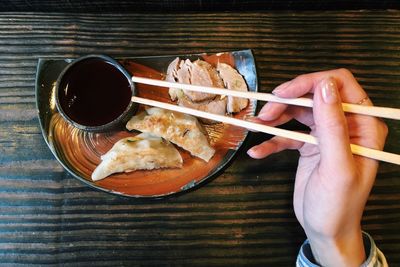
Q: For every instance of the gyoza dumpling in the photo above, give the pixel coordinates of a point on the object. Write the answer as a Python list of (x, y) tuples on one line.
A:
[(181, 129), (142, 152)]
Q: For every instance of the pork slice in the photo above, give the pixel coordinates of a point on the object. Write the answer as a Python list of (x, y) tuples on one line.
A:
[(183, 74), (172, 73), (202, 73), (233, 81), (216, 106), (214, 79), (173, 68)]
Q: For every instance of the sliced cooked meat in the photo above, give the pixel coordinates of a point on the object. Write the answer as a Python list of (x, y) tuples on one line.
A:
[(172, 77), (216, 106), (172, 69), (233, 81), (183, 74), (202, 73)]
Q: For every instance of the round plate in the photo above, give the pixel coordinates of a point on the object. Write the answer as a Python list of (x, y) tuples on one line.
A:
[(79, 152)]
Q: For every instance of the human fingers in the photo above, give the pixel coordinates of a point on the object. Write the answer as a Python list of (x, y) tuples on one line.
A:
[(282, 119), (350, 89), (367, 131), (298, 87), (274, 145), (301, 114), (271, 111), (331, 129)]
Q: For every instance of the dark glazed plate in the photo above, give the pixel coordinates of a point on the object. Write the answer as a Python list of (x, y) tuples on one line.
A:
[(79, 152)]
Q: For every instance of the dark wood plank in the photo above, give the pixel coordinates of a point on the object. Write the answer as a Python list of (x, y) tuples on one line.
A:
[(243, 217), (189, 5)]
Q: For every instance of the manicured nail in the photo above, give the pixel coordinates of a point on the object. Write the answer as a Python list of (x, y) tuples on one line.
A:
[(281, 88), (265, 113), (251, 151), (329, 91), (265, 116)]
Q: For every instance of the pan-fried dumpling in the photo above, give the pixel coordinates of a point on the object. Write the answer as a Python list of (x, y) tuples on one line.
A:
[(181, 129), (142, 152)]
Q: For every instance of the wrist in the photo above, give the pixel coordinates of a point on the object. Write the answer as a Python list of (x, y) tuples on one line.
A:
[(342, 250)]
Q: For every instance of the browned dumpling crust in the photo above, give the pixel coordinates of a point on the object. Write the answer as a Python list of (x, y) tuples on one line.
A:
[(181, 129), (142, 152)]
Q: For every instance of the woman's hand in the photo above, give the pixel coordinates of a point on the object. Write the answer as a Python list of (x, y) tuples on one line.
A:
[(332, 185)]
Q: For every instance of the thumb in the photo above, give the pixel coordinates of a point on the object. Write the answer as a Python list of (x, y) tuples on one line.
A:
[(331, 127)]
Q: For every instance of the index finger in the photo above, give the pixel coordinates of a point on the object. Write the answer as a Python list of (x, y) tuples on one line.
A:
[(350, 90)]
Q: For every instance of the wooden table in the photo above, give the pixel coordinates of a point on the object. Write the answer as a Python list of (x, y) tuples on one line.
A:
[(244, 217)]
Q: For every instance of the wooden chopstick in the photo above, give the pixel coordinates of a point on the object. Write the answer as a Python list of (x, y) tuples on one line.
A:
[(382, 112), (356, 149)]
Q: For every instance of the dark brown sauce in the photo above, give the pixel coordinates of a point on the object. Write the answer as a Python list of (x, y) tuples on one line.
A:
[(94, 92)]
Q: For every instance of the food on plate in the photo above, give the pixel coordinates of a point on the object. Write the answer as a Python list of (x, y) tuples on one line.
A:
[(202, 73), (142, 152), (181, 129), (216, 106), (198, 73), (233, 81), (152, 148), (172, 76)]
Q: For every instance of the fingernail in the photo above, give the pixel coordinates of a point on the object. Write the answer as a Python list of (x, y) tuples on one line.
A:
[(265, 112), (281, 88), (264, 116), (329, 91), (251, 151)]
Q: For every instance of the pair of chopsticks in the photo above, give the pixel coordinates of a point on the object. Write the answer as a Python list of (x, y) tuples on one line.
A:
[(382, 112)]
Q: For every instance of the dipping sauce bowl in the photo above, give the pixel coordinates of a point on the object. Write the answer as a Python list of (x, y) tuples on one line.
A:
[(94, 92)]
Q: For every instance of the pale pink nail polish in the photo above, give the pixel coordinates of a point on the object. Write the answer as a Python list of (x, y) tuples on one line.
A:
[(251, 151), (264, 116), (281, 88), (329, 91)]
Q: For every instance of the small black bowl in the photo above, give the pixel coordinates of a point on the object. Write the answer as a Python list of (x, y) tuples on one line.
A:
[(94, 92)]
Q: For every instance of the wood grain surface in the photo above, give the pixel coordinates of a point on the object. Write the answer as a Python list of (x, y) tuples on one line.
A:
[(125, 6), (244, 217)]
